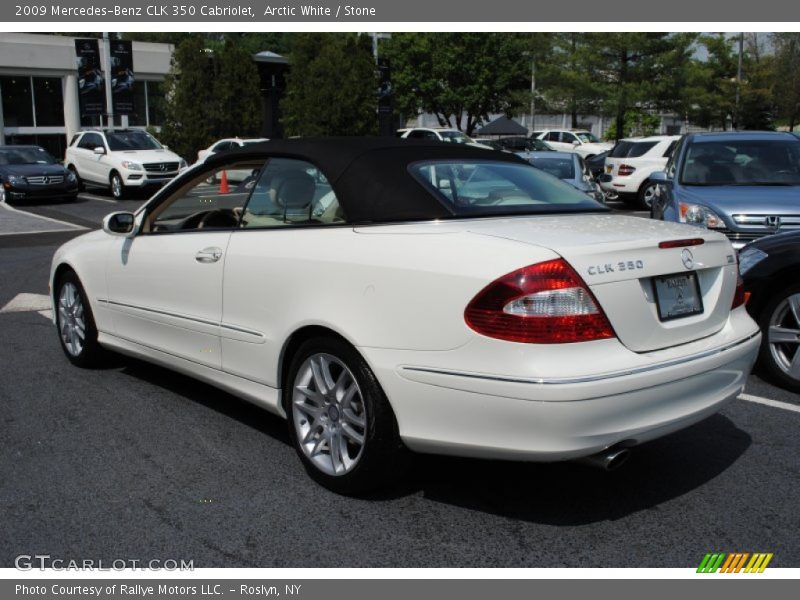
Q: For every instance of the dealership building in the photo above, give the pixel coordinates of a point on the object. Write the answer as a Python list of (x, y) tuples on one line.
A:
[(39, 89)]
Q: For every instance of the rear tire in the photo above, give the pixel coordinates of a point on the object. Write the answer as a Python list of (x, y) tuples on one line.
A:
[(340, 422), (75, 323), (779, 355), (644, 198)]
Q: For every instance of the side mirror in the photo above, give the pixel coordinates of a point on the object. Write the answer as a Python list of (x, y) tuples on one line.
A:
[(119, 224), (659, 177), (99, 150), (576, 143)]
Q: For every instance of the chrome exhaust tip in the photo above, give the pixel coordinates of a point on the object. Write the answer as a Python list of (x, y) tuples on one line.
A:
[(610, 459)]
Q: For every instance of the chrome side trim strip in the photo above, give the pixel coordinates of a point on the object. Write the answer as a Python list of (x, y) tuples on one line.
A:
[(589, 378), (184, 317)]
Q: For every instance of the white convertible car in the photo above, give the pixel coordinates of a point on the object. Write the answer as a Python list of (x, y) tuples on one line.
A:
[(393, 295)]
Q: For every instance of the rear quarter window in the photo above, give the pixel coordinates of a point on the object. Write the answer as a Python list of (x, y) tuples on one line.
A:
[(640, 149), (620, 150), (483, 188)]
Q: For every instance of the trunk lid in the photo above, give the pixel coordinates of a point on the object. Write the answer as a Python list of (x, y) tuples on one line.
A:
[(619, 258)]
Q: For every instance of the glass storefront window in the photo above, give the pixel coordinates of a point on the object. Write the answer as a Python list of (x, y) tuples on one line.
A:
[(155, 102), (49, 101), (17, 103), (55, 144), (139, 117)]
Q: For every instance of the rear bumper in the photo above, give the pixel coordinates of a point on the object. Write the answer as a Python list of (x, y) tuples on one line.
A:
[(621, 185), (451, 411)]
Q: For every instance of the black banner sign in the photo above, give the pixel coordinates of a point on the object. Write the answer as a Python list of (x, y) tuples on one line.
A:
[(91, 82), (122, 77)]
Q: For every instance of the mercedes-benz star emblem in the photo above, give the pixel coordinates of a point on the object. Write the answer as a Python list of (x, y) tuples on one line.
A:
[(163, 167), (687, 259), (45, 180)]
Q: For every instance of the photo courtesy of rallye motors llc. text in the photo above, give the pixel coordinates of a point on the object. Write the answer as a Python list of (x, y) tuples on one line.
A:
[(162, 589)]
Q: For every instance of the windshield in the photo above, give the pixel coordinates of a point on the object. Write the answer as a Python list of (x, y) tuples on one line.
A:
[(131, 140), (483, 188), (587, 138), (563, 168), (455, 136), (742, 162), (25, 156)]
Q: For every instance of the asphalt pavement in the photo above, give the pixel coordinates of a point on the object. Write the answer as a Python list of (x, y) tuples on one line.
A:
[(135, 462)]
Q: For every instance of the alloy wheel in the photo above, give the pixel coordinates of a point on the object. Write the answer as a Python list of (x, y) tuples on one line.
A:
[(116, 186), (71, 320), (784, 336), (329, 414), (647, 195)]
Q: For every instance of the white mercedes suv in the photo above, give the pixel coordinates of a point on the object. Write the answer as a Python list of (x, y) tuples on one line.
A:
[(581, 142), (121, 159)]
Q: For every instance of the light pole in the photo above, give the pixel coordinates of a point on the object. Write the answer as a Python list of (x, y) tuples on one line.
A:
[(533, 93), (107, 83)]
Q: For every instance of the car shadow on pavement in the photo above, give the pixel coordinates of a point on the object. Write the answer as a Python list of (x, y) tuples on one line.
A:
[(206, 395), (556, 494), (575, 494)]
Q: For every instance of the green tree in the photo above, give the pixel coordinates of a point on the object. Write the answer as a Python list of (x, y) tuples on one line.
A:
[(236, 94), (461, 78), (210, 95), (625, 67), (189, 107), (332, 85), (715, 78), (786, 76), (562, 75), (757, 108)]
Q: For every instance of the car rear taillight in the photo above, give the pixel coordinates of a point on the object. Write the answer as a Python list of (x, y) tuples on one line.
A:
[(545, 303), (625, 170), (738, 295)]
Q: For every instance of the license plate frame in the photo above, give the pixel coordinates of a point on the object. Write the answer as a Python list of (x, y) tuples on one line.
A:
[(669, 298)]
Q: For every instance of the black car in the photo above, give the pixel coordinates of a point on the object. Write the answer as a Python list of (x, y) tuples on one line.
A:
[(520, 144), (597, 164), (770, 268), (30, 172)]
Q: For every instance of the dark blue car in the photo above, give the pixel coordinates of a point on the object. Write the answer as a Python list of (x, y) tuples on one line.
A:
[(31, 173), (743, 184)]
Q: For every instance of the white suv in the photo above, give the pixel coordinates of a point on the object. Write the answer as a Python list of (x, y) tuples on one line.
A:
[(440, 134), (121, 159), (583, 143), (631, 162)]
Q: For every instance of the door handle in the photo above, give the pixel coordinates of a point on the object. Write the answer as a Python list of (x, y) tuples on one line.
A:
[(208, 255)]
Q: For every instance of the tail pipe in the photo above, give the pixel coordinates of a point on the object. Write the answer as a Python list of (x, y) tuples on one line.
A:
[(609, 459)]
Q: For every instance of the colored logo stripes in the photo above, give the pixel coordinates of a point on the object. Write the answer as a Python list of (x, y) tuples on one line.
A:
[(734, 562)]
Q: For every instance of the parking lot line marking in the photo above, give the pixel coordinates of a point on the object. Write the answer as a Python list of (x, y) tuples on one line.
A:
[(27, 303), (98, 198), (768, 402), (70, 226), (9, 233)]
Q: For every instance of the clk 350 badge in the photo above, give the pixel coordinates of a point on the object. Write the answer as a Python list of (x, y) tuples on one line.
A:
[(623, 265)]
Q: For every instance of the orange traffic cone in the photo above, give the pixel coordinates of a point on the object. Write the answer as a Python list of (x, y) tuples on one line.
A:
[(223, 184)]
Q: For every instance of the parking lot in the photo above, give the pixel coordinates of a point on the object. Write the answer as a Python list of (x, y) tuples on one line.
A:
[(136, 462)]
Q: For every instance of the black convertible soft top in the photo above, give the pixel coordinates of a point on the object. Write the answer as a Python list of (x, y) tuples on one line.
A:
[(370, 176)]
